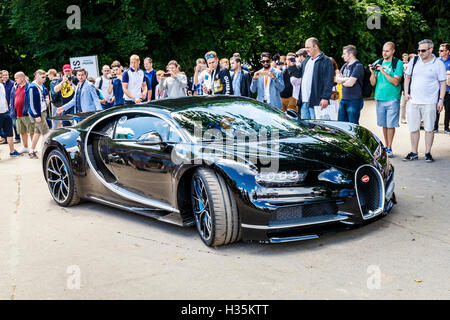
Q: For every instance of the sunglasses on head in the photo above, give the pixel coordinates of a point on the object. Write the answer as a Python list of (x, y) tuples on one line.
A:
[(423, 50), (265, 61), (209, 56)]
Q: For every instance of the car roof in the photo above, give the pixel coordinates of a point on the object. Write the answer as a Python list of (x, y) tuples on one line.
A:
[(187, 102), (165, 106)]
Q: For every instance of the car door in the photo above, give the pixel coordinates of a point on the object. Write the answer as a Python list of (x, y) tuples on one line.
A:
[(143, 169)]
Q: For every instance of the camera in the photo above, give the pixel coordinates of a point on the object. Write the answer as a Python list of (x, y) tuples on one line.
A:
[(374, 66), (69, 78), (167, 74), (112, 76)]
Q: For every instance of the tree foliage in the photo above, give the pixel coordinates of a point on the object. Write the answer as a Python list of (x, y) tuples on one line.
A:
[(34, 33)]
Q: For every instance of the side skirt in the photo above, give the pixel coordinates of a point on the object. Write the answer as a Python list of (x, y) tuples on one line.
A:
[(147, 212)]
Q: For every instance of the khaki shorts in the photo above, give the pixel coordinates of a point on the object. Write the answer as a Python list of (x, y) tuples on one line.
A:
[(24, 125), (417, 112), (40, 127), (289, 103)]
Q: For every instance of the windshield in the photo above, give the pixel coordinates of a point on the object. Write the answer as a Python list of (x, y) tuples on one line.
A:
[(235, 118)]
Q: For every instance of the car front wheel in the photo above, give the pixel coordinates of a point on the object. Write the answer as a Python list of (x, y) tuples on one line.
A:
[(215, 212), (60, 181)]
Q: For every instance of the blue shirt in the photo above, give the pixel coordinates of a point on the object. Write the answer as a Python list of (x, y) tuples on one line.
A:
[(237, 83), (118, 92), (149, 76), (447, 67), (78, 98)]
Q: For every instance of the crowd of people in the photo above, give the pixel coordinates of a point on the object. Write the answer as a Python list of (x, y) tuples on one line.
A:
[(412, 90)]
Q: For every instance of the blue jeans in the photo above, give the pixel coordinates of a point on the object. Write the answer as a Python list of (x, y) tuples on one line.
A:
[(388, 113), (16, 133), (350, 110), (306, 112)]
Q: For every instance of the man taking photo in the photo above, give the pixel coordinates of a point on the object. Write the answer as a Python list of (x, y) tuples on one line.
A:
[(386, 75), (268, 82)]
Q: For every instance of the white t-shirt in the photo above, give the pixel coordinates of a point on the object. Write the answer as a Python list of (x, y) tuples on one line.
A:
[(307, 80), (41, 96), (104, 88), (296, 83), (3, 108), (134, 78), (205, 79), (201, 76), (425, 80)]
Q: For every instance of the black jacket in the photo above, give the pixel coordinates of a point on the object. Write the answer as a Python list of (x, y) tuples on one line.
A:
[(245, 82), (322, 80), (222, 81), (287, 91)]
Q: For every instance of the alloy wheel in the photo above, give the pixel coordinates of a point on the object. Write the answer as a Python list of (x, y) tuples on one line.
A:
[(57, 178), (202, 209)]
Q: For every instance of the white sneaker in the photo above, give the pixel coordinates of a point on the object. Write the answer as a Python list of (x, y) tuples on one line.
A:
[(23, 150)]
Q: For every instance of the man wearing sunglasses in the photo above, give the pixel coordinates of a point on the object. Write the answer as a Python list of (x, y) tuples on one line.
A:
[(268, 82), (425, 95), (444, 51), (217, 79)]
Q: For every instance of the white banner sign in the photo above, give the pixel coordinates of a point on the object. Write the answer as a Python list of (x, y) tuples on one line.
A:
[(90, 64)]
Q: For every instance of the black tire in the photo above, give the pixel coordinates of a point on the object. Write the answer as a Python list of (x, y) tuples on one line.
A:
[(60, 180), (225, 227)]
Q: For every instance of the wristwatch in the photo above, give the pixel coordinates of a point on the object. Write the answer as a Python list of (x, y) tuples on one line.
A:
[(441, 98)]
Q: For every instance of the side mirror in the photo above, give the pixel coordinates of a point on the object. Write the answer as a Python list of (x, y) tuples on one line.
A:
[(150, 139), (292, 114)]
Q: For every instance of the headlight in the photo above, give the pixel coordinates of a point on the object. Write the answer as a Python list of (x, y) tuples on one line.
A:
[(283, 178), (333, 175)]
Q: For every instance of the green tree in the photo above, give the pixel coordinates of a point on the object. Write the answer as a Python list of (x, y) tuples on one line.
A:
[(35, 35)]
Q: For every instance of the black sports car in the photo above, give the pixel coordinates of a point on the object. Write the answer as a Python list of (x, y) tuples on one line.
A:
[(235, 167)]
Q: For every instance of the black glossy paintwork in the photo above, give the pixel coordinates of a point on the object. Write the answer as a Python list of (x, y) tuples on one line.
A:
[(150, 171)]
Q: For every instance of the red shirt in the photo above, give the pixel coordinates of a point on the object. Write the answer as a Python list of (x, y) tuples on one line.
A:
[(19, 99)]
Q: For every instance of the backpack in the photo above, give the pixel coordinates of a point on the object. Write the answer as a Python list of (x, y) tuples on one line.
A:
[(100, 84), (366, 87)]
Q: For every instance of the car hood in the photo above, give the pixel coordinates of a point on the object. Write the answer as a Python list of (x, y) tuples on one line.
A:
[(318, 146)]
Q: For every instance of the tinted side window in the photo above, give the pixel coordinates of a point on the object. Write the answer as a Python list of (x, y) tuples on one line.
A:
[(132, 127), (174, 136)]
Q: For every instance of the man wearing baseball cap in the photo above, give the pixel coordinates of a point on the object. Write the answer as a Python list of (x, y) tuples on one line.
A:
[(66, 86)]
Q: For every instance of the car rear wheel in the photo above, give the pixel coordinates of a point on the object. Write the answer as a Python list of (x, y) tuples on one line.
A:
[(60, 181), (215, 212)]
